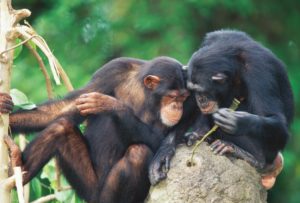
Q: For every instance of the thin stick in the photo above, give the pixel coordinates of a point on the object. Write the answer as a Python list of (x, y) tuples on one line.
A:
[(49, 197), (45, 199), (23, 142), (43, 69), (17, 45), (19, 183)]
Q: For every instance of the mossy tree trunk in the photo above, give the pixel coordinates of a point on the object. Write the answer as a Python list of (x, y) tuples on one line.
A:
[(8, 19)]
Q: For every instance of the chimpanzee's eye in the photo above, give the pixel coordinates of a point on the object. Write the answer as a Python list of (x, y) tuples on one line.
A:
[(219, 77), (173, 94)]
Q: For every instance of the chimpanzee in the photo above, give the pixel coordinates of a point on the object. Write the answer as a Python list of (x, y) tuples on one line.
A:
[(129, 105), (231, 65)]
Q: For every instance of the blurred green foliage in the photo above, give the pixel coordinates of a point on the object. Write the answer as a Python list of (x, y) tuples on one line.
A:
[(84, 34)]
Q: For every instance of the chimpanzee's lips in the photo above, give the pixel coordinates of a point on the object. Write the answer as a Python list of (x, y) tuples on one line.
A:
[(208, 107)]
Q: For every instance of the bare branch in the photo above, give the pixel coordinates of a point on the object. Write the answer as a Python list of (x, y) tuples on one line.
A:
[(43, 69), (45, 199), (49, 197)]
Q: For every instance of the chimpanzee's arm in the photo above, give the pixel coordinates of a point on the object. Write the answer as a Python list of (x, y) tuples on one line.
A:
[(37, 119), (161, 162), (136, 131), (272, 127), (198, 130), (133, 130)]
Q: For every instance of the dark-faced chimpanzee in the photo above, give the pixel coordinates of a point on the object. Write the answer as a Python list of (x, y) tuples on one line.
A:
[(129, 105), (231, 65)]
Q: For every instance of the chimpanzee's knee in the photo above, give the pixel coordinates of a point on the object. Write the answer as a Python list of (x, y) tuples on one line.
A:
[(62, 125), (138, 155)]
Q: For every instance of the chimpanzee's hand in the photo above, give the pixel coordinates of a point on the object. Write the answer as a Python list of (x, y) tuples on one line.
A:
[(6, 104), (234, 122), (191, 137), (95, 102), (222, 147), (160, 164), (14, 151)]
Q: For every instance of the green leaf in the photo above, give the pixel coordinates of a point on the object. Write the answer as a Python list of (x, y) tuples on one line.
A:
[(82, 127), (20, 100), (27, 106), (14, 196), (49, 170), (64, 196), (18, 50), (36, 188), (18, 97)]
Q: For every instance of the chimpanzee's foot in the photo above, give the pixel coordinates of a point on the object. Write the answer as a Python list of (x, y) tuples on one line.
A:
[(14, 151), (269, 178), (269, 172)]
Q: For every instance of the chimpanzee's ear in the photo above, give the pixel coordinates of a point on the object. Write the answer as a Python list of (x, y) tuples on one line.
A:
[(151, 81)]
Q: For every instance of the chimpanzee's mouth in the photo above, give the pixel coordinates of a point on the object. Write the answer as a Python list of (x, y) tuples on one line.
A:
[(209, 107), (206, 106)]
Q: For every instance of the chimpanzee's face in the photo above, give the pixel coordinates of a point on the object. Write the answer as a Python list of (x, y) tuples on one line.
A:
[(165, 80), (171, 106), (211, 80)]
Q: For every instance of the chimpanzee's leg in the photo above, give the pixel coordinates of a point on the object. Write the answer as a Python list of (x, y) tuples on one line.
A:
[(63, 139), (222, 147), (128, 180), (268, 178), (269, 172)]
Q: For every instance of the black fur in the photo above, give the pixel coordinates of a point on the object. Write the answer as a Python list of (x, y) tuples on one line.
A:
[(259, 128)]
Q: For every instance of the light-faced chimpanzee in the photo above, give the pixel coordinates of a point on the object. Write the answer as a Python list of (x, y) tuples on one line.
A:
[(231, 65), (109, 163)]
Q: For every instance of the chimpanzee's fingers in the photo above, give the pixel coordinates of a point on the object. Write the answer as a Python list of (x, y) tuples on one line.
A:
[(14, 151), (9, 102), (94, 95), (226, 113), (155, 172), (85, 100), (85, 112), (167, 164), (215, 144), (229, 126), (84, 106), (190, 138), (6, 99), (241, 114), (226, 149), (5, 96), (226, 128), (219, 148), (9, 141), (88, 96), (6, 108), (221, 119), (6, 103), (88, 111)]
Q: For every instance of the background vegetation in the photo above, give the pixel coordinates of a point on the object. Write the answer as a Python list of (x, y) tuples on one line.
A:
[(84, 34)]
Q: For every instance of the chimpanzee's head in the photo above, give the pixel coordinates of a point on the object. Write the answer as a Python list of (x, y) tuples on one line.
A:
[(165, 89), (231, 64), (213, 74)]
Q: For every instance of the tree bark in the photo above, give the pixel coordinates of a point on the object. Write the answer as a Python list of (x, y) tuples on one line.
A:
[(212, 179), (8, 19)]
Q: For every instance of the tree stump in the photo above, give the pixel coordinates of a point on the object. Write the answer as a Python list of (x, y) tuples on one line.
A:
[(212, 179)]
